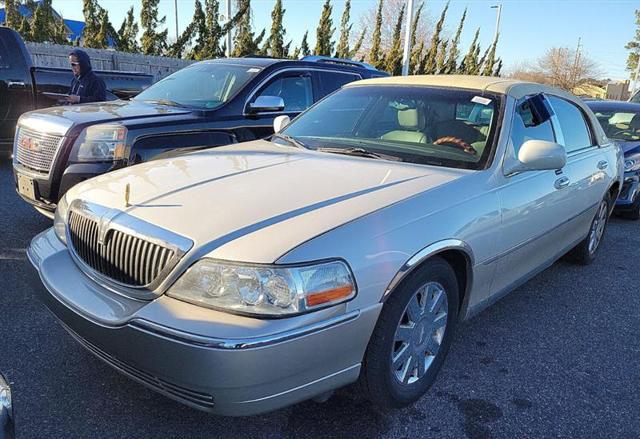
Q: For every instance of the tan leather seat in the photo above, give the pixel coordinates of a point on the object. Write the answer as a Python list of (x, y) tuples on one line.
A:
[(408, 120)]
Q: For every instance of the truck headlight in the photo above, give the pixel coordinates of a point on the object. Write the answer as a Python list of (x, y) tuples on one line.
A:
[(265, 290), (60, 219), (101, 143)]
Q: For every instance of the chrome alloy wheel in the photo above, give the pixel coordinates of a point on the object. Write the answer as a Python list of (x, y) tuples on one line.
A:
[(597, 227), (419, 333)]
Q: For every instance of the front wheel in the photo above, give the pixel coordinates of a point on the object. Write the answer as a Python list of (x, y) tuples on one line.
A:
[(412, 337), (585, 252)]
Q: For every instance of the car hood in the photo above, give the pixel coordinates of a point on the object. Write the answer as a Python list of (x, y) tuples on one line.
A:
[(629, 147), (255, 201), (111, 111)]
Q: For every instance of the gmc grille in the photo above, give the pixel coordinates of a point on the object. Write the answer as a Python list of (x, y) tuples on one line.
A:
[(36, 150)]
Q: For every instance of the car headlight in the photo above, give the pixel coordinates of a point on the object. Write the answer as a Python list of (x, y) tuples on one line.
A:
[(268, 291), (631, 165), (5, 396), (101, 143), (60, 219)]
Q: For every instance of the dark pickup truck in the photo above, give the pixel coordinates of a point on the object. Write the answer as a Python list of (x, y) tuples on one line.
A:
[(23, 86), (207, 104)]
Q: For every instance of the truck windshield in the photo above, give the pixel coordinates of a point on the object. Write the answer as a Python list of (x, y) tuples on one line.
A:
[(426, 125), (203, 86)]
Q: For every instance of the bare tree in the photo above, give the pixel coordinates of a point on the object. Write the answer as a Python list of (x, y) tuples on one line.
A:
[(561, 67)]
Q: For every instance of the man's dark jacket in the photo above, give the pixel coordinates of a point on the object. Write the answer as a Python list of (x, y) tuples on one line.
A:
[(87, 85)]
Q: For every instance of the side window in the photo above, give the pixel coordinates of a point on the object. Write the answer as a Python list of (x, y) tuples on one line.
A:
[(527, 127), (572, 124), (295, 91), (331, 81)]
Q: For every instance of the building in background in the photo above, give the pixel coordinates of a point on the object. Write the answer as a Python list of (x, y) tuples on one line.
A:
[(618, 91)]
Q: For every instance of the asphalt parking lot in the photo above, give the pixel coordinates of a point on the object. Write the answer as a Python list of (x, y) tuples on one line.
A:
[(558, 357)]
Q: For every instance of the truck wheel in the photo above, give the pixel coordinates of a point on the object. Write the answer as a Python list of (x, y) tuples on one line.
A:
[(412, 337), (585, 252)]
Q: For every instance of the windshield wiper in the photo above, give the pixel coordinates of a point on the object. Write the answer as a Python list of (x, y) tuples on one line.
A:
[(164, 102), (295, 142), (360, 152)]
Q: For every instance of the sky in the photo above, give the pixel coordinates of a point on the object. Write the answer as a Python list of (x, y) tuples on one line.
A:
[(528, 28)]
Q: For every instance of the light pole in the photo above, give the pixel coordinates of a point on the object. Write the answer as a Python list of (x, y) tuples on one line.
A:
[(406, 56), (175, 6), (499, 12), (227, 10)]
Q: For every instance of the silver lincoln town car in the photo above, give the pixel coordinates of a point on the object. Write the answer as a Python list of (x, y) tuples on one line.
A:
[(345, 248)]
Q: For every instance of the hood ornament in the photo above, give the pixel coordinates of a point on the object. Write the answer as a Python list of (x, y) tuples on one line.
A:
[(127, 194)]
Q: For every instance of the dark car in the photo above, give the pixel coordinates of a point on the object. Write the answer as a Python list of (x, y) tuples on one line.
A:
[(7, 428), (24, 87), (621, 122), (207, 104)]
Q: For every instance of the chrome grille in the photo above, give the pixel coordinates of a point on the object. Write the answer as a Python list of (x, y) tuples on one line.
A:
[(125, 258), (36, 150)]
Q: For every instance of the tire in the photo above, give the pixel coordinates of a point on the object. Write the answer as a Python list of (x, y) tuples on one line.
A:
[(406, 316), (585, 252)]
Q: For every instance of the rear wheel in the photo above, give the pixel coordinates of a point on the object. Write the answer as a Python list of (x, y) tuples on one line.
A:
[(412, 337), (585, 252)]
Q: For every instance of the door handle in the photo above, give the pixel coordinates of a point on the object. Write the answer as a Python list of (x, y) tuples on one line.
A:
[(562, 183), (15, 84), (603, 164)]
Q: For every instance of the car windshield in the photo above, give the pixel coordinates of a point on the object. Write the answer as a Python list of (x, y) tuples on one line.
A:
[(620, 125), (203, 86), (425, 125)]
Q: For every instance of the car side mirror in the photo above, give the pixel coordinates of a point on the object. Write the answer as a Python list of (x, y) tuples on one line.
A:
[(540, 155), (280, 123), (266, 104)]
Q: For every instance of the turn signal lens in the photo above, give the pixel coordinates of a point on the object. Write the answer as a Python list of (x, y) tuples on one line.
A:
[(334, 295)]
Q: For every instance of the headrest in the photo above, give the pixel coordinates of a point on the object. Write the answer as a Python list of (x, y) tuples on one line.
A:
[(408, 118), (635, 122)]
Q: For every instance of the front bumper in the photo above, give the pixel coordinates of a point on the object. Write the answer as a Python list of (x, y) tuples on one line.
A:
[(170, 346), (629, 192), (49, 188)]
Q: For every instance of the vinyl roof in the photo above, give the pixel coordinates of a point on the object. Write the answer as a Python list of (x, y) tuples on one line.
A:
[(506, 86)]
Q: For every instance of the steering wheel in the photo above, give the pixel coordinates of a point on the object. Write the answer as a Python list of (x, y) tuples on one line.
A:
[(457, 143)]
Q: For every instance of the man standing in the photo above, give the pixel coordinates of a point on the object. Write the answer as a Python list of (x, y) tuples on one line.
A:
[(86, 86)]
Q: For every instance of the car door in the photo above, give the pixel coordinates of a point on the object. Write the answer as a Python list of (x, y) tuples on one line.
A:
[(535, 205), (586, 165), (296, 89), (15, 93)]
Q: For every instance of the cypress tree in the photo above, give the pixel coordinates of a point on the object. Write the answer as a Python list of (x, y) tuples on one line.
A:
[(245, 43), (393, 59), (430, 59), (39, 25), (441, 60), (152, 42), (209, 32), (25, 29), (324, 33), (296, 53), (276, 38), (358, 45), (304, 46), (469, 65), (416, 50), (496, 71), (454, 51), (490, 61), (375, 57), (60, 35), (91, 23), (13, 19), (128, 33), (343, 51), (103, 31), (417, 68)]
